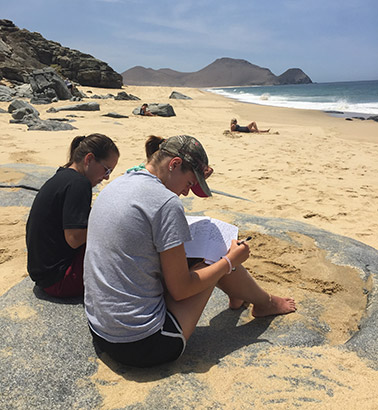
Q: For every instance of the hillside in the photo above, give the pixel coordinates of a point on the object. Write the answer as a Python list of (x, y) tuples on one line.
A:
[(22, 51), (221, 73)]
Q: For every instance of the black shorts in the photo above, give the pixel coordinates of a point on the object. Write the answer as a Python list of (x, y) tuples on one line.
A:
[(164, 346)]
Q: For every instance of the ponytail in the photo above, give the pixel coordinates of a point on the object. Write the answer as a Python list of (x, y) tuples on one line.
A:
[(98, 144), (153, 153), (152, 146)]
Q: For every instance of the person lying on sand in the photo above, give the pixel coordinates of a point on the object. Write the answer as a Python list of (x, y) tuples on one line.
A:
[(142, 300), (56, 230), (252, 127)]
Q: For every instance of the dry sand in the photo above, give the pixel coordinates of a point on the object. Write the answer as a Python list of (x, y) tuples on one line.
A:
[(311, 168)]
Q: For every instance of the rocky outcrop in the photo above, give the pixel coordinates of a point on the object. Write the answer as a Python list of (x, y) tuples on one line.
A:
[(221, 73), (24, 113), (294, 76), (22, 52)]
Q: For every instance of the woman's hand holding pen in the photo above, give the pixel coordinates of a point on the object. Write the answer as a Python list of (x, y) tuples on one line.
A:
[(238, 252)]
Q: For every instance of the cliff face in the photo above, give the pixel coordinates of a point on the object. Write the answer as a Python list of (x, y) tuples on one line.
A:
[(221, 73), (22, 51)]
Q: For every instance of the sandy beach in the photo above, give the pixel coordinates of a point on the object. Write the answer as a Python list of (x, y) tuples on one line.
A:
[(311, 167)]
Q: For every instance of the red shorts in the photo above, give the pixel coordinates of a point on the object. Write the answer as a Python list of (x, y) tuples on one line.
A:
[(72, 283)]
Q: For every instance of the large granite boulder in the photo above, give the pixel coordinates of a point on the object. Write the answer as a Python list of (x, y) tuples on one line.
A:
[(22, 52), (162, 110), (18, 105)]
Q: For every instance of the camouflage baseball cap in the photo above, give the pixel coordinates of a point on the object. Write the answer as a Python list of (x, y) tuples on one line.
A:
[(190, 150)]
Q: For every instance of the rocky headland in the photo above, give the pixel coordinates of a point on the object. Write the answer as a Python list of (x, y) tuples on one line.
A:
[(222, 72)]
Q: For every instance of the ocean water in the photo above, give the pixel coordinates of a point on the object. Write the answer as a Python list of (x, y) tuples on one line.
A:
[(357, 97)]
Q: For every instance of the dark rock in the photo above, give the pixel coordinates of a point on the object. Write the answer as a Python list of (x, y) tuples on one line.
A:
[(114, 115), (24, 91), (101, 97), (24, 113), (6, 93), (47, 85), (22, 51), (124, 96), (373, 117), (20, 104), (334, 112), (61, 119), (50, 125), (162, 110), (21, 112), (90, 106), (294, 76), (2, 111), (178, 96), (20, 91)]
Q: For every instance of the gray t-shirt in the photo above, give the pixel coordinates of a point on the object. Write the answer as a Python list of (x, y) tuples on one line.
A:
[(133, 219)]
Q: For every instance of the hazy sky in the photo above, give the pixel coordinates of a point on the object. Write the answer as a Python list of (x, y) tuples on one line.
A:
[(330, 40)]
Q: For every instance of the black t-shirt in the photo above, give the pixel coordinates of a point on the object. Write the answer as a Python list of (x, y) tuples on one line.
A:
[(63, 202)]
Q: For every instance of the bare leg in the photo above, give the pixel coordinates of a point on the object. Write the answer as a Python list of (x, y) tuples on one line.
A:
[(240, 287), (188, 311), (253, 128)]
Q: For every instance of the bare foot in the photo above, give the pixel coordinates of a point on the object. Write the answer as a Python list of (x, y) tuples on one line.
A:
[(275, 306), (235, 304)]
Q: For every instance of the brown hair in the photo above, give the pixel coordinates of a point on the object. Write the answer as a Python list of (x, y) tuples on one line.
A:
[(153, 153), (98, 144)]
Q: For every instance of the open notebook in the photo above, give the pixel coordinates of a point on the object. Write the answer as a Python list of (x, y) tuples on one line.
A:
[(211, 238)]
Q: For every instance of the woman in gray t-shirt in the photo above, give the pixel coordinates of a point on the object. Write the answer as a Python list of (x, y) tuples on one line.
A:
[(141, 299)]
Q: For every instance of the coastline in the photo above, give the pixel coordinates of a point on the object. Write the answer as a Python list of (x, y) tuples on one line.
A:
[(312, 168), (345, 98)]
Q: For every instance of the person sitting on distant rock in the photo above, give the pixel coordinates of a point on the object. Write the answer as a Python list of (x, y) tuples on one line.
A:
[(252, 127), (68, 84), (144, 111)]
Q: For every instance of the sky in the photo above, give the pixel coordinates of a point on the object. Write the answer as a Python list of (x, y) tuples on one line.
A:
[(330, 40)]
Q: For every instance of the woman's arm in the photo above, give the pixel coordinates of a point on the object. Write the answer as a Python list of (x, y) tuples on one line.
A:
[(183, 283), (75, 237)]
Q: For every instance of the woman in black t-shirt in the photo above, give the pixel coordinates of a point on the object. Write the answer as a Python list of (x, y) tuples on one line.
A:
[(56, 229)]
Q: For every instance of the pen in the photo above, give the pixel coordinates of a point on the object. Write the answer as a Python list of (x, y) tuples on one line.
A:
[(245, 240)]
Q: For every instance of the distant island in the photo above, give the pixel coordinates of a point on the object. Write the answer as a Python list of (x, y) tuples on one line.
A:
[(223, 72)]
